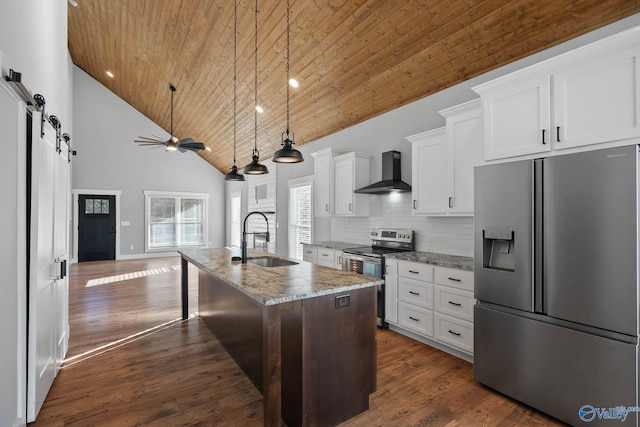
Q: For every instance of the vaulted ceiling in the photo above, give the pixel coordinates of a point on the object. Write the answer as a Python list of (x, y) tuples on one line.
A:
[(354, 59)]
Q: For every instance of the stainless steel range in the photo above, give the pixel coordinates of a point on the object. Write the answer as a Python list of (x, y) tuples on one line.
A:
[(369, 260)]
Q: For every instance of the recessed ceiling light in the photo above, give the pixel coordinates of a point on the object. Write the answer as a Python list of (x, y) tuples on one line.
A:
[(259, 109), (208, 149), (73, 3), (109, 73), (293, 83)]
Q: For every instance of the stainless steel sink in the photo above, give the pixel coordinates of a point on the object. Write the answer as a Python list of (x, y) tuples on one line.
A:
[(268, 261)]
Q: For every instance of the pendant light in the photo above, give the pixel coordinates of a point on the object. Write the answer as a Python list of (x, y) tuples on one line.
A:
[(255, 168), (234, 175), (287, 154)]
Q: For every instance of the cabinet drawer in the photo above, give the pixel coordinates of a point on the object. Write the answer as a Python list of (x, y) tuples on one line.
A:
[(454, 302), (454, 332), (416, 318), (326, 257), (415, 270), (416, 292), (462, 279), (310, 253)]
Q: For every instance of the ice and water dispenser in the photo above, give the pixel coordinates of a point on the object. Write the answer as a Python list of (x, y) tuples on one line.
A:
[(498, 248)]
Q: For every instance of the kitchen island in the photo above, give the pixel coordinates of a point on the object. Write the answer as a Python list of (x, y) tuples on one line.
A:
[(304, 334)]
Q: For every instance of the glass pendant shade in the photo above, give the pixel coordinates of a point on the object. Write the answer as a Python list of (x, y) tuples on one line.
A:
[(287, 154), (234, 175), (255, 168)]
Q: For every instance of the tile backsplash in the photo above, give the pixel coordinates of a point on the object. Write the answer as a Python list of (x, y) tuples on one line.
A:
[(448, 235)]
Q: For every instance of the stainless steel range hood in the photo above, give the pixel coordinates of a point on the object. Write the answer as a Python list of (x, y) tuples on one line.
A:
[(391, 177)]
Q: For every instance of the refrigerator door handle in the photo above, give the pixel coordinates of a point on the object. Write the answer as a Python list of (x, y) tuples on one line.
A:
[(538, 235)]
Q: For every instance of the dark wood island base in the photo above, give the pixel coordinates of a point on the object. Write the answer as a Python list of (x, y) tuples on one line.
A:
[(313, 359)]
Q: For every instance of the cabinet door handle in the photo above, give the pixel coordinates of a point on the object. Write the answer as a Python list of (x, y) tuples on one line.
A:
[(414, 293), (450, 202), (414, 272), (457, 304), (454, 333), (414, 204), (544, 140), (349, 207), (558, 133), (453, 279), (416, 320), (326, 207), (324, 254)]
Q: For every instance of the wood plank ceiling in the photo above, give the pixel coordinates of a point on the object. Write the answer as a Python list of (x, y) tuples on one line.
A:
[(354, 59)]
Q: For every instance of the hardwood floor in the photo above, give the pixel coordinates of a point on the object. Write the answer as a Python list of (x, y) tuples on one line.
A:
[(178, 374)]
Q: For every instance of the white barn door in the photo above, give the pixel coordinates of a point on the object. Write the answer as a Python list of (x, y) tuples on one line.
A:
[(47, 303)]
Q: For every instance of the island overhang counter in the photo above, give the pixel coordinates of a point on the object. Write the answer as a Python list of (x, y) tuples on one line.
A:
[(304, 334)]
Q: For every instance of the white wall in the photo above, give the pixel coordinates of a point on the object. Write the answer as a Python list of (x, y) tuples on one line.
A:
[(387, 132), (33, 41), (108, 159)]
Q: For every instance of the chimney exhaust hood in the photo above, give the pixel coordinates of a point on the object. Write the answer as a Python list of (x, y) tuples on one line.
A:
[(391, 177)]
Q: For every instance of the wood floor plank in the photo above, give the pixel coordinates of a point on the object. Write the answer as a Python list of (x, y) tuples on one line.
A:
[(180, 375)]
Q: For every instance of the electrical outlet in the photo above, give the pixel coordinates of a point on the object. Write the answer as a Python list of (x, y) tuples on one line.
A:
[(343, 301), (131, 247)]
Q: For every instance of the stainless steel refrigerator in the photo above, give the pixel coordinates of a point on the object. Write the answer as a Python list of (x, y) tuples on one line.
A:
[(556, 283)]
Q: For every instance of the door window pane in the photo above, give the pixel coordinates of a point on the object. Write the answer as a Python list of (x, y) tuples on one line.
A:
[(88, 206)]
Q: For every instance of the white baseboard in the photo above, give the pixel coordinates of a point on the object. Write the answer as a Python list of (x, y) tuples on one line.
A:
[(149, 255)]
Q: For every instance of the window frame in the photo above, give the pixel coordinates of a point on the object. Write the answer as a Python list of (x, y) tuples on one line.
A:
[(178, 196), (292, 184), (235, 195)]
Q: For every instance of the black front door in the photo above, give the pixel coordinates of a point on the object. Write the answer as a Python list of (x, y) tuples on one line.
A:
[(96, 228)]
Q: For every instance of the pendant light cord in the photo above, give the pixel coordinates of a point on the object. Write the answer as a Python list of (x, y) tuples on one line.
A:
[(288, 41), (235, 78), (172, 90), (255, 96)]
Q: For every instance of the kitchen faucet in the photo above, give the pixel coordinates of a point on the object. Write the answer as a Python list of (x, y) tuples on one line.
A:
[(244, 234)]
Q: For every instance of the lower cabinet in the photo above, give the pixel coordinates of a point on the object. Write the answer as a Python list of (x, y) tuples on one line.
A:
[(435, 303), (310, 253), (322, 256)]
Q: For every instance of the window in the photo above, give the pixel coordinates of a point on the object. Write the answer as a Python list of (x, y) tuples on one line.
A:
[(175, 220), (236, 218), (96, 207), (300, 215)]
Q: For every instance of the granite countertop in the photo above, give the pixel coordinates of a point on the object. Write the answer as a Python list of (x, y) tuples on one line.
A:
[(330, 244), (275, 285), (443, 260)]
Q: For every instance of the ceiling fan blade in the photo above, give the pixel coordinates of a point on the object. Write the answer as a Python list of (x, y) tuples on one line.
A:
[(193, 146), (149, 143), (186, 141), (182, 149), (146, 138)]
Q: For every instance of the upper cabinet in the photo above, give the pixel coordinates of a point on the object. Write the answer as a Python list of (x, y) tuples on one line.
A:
[(517, 119), (587, 96), (443, 160), (351, 171), (324, 183), (428, 181)]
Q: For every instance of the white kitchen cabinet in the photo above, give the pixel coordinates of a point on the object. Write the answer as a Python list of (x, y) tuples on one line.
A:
[(309, 253), (391, 291), (324, 180), (590, 95), (326, 257), (351, 171), (464, 152), (517, 119), (431, 302), (598, 100), (443, 160), (428, 181)]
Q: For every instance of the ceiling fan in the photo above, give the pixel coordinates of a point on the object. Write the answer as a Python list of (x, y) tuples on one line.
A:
[(173, 143)]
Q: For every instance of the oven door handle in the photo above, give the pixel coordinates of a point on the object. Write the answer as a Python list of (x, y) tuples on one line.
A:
[(362, 258)]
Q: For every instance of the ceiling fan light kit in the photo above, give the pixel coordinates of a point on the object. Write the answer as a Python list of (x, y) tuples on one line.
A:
[(233, 175), (288, 154), (255, 168), (173, 143)]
